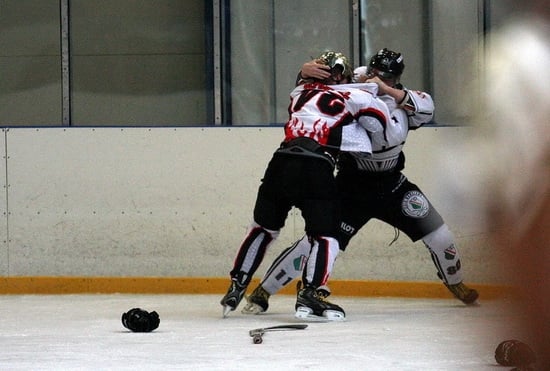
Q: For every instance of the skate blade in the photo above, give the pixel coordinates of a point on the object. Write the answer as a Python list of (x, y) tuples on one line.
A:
[(252, 308), (333, 315), (226, 310), (306, 314)]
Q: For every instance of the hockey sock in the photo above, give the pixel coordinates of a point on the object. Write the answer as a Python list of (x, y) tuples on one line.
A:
[(287, 266), (252, 252), (444, 254), (321, 260)]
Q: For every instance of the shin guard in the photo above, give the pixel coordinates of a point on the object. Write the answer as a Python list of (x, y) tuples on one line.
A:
[(324, 251), (444, 254), (287, 266)]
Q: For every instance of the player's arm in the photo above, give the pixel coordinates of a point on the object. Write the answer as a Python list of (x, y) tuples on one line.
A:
[(375, 117), (399, 95), (418, 105), (314, 69)]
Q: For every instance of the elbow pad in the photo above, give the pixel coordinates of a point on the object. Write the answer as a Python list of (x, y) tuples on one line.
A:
[(419, 107)]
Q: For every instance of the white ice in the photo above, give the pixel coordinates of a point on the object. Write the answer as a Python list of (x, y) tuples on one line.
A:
[(84, 332)]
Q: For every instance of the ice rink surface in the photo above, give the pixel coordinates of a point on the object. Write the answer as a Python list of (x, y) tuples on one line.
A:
[(84, 332)]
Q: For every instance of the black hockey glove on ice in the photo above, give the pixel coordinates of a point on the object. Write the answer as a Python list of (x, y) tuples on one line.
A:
[(139, 320)]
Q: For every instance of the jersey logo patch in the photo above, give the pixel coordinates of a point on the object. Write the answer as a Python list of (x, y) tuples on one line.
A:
[(415, 204)]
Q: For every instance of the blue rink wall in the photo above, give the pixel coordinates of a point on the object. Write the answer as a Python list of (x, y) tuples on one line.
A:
[(175, 202)]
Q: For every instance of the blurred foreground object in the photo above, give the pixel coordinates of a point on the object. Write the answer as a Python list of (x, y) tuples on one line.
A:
[(514, 141)]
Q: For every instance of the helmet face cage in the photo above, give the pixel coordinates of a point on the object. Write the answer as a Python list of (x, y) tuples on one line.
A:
[(388, 63), (338, 63)]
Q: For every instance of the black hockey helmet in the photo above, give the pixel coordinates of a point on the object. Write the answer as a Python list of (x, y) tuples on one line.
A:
[(388, 63)]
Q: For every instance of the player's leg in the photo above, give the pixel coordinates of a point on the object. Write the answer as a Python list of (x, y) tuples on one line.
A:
[(290, 263), (249, 258), (270, 212), (359, 200), (412, 213), (322, 218), (446, 258), (285, 268), (356, 211), (320, 207), (310, 303)]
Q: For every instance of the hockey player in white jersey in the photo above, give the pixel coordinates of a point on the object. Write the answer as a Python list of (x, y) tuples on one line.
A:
[(323, 121), (375, 187)]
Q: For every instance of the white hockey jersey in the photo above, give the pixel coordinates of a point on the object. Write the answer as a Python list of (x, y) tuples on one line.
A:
[(388, 141), (337, 118)]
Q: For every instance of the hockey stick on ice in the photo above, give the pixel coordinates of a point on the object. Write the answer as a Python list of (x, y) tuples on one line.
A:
[(257, 333)]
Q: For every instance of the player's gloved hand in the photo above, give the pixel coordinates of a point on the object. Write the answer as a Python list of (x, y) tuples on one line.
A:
[(139, 320)]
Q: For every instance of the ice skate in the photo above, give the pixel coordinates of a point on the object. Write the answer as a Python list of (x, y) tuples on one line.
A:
[(234, 295), (463, 293), (323, 291), (311, 304), (257, 302)]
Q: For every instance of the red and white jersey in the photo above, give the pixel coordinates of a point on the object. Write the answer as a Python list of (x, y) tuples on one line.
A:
[(334, 116)]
